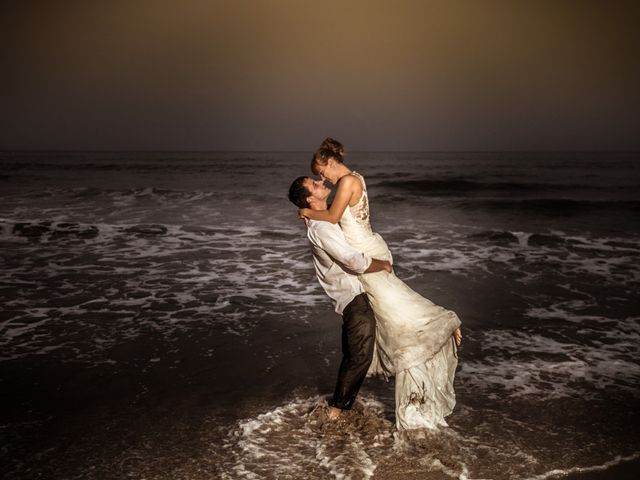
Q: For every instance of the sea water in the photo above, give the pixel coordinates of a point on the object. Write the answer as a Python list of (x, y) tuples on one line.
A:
[(161, 317)]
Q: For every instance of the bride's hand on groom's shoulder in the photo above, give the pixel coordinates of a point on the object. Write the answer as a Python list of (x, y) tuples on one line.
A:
[(302, 213)]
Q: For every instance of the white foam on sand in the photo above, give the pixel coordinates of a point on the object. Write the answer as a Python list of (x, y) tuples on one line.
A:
[(296, 441), (291, 441), (535, 366), (564, 311), (559, 473), (443, 259)]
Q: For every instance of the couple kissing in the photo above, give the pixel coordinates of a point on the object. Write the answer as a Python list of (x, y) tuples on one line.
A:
[(388, 329)]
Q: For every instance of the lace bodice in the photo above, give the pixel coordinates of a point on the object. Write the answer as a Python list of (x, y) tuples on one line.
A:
[(355, 219), (360, 210)]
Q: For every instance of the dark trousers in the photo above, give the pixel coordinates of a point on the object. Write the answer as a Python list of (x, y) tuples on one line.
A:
[(358, 337)]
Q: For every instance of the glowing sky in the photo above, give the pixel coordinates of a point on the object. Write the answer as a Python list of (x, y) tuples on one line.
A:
[(274, 74)]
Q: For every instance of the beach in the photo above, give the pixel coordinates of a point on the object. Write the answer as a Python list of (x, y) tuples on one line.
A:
[(161, 317)]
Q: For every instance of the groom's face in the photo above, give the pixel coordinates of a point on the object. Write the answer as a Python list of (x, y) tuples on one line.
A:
[(317, 189)]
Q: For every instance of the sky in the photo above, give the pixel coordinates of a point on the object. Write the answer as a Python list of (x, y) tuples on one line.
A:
[(284, 74)]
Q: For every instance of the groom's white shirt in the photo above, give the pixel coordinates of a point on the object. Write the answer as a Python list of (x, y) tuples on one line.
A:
[(336, 263)]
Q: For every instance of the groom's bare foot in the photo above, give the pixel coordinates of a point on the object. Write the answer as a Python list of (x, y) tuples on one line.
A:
[(334, 413)]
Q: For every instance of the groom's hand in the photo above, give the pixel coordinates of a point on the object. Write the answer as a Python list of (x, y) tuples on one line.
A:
[(379, 266)]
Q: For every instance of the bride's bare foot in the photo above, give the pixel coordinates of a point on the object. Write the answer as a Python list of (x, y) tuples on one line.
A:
[(457, 335), (334, 413)]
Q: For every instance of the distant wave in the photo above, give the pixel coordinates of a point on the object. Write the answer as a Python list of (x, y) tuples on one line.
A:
[(522, 238), (133, 192), (64, 230), (126, 194), (186, 165), (554, 206), (457, 186), (52, 231), (528, 239), (551, 206), (130, 196)]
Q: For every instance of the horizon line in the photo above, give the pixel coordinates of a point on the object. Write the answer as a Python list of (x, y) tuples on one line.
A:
[(74, 150)]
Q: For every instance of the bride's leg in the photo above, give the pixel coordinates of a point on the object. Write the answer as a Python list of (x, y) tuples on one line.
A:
[(457, 335)]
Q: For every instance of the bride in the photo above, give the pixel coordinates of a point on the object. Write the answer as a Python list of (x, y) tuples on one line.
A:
[(416, 340)]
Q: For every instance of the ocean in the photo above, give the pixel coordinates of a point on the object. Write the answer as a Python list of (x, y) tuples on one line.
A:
[(161, 317)]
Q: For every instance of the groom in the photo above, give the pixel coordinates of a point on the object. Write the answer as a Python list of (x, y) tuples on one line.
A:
[(336, 264)]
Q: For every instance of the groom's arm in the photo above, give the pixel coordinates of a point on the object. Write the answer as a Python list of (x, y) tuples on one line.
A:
[(332, 241)]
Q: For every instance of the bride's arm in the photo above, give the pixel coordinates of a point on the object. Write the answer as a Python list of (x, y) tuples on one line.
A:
[(346, 188)]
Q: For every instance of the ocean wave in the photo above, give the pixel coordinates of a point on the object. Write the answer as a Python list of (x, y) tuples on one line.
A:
[(52, 230), (48, 231), (525, 257), (601, 355), (458, 186), (88, 198), (553, 206), (182, 165), (145, 275), (555, 239), (232, 237), (512, 203)]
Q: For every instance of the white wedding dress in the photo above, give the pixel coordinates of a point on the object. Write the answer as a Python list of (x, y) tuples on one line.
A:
[(414, 338)]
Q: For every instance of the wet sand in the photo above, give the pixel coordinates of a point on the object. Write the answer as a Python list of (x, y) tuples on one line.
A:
[(170, 422)]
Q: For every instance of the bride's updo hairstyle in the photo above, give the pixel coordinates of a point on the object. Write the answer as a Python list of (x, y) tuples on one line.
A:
[(333, 145), (330, 149)]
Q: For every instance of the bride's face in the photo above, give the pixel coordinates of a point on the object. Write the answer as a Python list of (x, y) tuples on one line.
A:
[(327, 172)]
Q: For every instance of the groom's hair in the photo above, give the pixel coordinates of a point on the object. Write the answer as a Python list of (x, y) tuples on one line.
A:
[(298, 193)]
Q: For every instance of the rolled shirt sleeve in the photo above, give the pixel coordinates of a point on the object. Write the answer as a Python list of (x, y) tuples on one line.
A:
[(331, 239)]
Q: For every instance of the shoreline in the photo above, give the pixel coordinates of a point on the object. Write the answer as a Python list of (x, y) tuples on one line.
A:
[(626, 468)]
